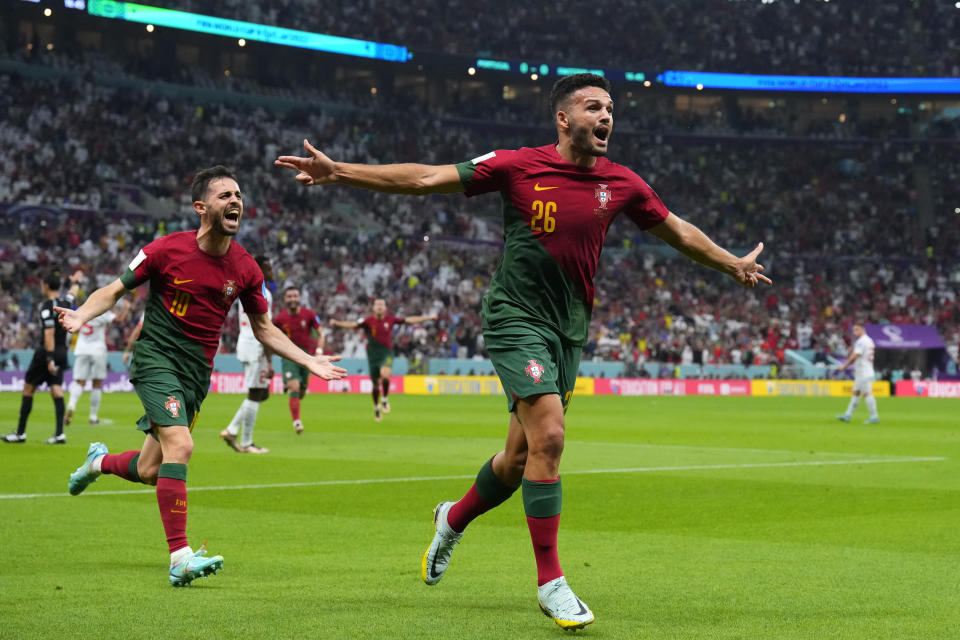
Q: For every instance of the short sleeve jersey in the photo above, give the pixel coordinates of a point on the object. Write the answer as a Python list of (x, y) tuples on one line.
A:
[(92, 337), (863, 365), (555, 218), (191, 292), (379, 330), (298, 327)]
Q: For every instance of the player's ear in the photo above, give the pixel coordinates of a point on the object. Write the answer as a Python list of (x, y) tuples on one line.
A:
[(200, 207)]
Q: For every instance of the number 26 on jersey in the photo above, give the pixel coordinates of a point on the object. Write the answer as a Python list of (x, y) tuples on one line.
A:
[(543, 216)]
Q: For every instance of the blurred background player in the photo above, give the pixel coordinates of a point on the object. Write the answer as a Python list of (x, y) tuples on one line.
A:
[(257, 375), (303, 328), (195, 277), (861, 357), (379, 331), (90, 362), (49, 359)]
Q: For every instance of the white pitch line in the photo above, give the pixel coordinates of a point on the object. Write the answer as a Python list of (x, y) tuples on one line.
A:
[(328, 483)]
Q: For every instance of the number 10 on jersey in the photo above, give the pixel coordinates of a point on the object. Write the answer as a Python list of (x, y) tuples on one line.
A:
[(543, 216), (181, 300)]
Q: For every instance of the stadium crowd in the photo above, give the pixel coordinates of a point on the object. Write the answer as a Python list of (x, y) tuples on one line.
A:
[(838, 213), (815, 37)]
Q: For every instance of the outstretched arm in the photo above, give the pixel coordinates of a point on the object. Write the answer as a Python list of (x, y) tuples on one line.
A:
[(99, 301), (694, 243), (417, 179), (276, 341), (344, 324), (418, 319)]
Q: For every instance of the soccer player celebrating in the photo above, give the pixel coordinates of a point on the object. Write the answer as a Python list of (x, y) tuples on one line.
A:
[(558, 202), (379, 330), (257, 375), (194, 276), (303, 327), (49, 360), (861, 357)]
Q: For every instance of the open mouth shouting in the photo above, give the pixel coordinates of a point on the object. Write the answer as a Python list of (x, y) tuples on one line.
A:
[(600, 135)]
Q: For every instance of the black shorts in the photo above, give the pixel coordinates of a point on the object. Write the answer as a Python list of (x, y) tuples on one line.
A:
[(38, 373)]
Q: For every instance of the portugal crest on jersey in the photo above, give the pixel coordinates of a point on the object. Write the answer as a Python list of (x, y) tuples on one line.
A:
[(229, 291), (172, 405), (603, 196), (534, 370)]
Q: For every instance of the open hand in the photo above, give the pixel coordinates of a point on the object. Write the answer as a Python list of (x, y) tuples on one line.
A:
[(313, 170), (69, 319), (322, 367)]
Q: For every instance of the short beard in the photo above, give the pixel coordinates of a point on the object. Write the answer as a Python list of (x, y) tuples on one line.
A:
[(582, 142), (217, 225)]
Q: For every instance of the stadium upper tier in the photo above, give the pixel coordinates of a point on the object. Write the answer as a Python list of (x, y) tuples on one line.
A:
[(802, 37), (840, 217)]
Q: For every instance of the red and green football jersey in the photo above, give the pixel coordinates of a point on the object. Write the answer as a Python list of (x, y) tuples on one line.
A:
[(298, 327), (191, 292), (555, 218), (379, 330)]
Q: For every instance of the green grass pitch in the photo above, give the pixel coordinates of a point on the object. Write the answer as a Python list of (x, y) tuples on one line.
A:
[(683, 518)]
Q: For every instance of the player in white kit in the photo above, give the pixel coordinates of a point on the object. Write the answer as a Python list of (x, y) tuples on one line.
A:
[(861, 357), (91, 363), (257, 375)]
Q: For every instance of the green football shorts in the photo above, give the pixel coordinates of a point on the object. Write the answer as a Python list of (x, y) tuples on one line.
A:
[(293, 371), (532, 360), (167, 400), (378, 356)]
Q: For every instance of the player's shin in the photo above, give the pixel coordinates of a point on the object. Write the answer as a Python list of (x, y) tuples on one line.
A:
[(249, 419), (295, 406), (541, 503), (59, 409), (76, 391), (26, 406), (871, 403), (123, 465), (854, 401), (95, 396), (172, 500), (486, 493)]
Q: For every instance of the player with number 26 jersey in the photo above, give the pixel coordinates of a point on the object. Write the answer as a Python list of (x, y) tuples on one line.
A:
[(555, 218)]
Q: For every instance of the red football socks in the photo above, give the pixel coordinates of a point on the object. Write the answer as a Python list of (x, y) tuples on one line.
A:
[(466, 509), (122, 465), (543, 534), (172, 500)]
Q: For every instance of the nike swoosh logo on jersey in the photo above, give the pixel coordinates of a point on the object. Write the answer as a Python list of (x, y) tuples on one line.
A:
[(537, 187), (178, 281)]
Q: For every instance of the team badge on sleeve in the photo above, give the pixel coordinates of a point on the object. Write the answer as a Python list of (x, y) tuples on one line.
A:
[(535, 370), (172, 405)]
